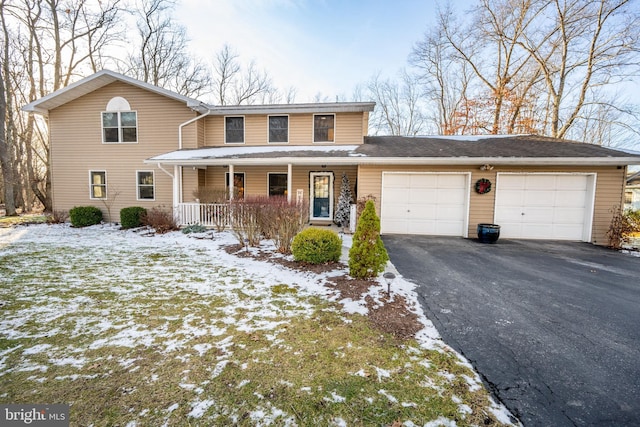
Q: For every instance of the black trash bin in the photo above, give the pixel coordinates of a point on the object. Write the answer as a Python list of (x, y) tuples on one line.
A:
[(488, 233)]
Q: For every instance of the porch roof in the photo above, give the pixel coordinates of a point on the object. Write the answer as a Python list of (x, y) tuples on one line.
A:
[(396, 150)]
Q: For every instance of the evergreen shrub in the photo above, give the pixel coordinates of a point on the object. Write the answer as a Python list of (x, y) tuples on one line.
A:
[(367, 256), (84, 216), (131, 217), (316, 246)]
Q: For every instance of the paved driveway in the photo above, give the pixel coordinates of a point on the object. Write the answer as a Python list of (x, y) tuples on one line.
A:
[(553, 327)]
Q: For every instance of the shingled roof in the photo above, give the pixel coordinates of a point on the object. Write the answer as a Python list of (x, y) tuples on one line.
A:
[(494, 149), (512, 146)]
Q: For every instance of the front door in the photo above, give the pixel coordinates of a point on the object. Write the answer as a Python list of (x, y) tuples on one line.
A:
[(321, 195)]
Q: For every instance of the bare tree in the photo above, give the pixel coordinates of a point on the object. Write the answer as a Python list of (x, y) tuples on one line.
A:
[(161, 57), (5, 151), (47, 45), (582, 45), (399, 107), (445, 80), (235, 84)]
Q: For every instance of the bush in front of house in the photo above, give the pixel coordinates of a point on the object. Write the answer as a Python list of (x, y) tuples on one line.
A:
[(367, 256), (624, 224), (57, 217), (194, 228), (131, 217), (160, 219), (84, 216), (316, 246)]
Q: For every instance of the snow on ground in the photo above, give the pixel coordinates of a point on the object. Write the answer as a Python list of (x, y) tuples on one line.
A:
[(210, 271)]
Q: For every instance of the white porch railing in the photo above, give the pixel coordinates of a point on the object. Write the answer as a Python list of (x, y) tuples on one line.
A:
[(208, 215)]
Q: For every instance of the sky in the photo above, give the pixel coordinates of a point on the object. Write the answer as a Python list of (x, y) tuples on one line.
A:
[(322, 47)]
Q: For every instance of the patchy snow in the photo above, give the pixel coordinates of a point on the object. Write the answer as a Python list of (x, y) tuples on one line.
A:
[(221, 152), (467, 138), (87, 314)]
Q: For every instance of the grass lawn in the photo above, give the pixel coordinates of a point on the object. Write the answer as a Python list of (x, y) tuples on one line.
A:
[(172, 330)]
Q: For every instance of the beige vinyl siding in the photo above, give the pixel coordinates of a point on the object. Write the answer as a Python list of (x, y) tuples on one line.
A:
[(609, 193), (350, 129), (256, 181), (77, 148)]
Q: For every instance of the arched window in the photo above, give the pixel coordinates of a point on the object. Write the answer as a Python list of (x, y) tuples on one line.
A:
[(119, 123)]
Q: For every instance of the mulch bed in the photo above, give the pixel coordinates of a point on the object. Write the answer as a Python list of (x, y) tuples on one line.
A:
[(393, 316)]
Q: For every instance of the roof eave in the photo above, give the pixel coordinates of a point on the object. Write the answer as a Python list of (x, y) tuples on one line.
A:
[(363, 160)]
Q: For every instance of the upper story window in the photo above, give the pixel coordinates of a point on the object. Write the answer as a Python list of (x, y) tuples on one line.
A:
[(234, 130), (278, 129), (119, 123), (323, 127)]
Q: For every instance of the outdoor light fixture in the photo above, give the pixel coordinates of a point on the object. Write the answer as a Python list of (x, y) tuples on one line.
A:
[(486, 167), (389, 276)]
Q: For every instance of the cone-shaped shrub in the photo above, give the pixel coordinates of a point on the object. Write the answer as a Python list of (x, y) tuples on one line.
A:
[(367, 256)]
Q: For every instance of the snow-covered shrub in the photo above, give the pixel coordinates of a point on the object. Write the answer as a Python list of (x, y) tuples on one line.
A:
[(84, 216), (194, 228), (131, 217), (367, 256), (316, 246), (160, 219)]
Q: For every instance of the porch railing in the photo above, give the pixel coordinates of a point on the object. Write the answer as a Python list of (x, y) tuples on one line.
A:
[(208, 215)]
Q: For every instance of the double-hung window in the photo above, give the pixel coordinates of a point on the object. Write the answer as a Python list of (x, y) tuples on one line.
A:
[(98, 184), (119, 127), (323, 127), (278, 184), (145, 183), (234, 130), (278, 129)]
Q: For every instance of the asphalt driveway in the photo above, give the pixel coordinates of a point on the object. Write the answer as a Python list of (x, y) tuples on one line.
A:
[(553, 327)]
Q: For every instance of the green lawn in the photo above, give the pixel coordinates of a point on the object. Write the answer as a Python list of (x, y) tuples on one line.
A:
[(169, 330)]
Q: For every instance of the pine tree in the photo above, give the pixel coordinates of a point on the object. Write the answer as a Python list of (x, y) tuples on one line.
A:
[(367, 256), (343, 212)]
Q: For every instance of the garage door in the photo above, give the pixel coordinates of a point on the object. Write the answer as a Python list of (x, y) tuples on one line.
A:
[(424, 203), (544, 206)]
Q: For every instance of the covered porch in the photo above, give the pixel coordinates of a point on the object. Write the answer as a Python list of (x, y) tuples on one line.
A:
[(204, 188)]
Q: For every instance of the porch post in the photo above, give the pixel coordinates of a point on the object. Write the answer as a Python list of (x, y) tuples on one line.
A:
[(231, 189), (289, 184), (176, 186)]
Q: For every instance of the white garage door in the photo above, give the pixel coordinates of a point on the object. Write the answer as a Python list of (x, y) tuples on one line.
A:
[(544, 206), (424, 203)]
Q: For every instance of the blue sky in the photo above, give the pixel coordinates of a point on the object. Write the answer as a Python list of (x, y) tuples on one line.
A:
[(317, 46)]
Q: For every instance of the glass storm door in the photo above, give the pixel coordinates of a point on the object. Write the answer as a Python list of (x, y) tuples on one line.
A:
[(321, 195)]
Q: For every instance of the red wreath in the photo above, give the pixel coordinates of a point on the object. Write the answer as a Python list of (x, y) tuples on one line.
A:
[(483, 186)]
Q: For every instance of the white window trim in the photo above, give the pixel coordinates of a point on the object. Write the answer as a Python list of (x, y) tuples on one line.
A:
[(275, 173), (120, 127), (106, 185), (153, 174), (269, 128), (313, 128), (244, 130), (312, 197)]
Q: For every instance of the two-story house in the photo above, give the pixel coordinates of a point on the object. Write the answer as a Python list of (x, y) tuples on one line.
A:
[(119, 141)]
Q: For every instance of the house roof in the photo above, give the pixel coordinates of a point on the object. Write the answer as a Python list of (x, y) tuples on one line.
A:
[(105, 77), (96, 81), (461, 150), (633, 180)]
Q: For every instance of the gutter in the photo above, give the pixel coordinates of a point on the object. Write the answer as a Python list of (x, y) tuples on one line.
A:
[(391, 161)]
